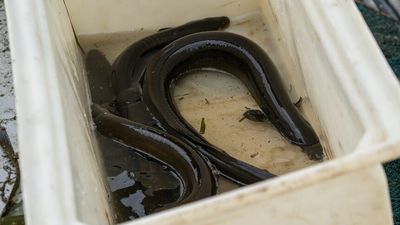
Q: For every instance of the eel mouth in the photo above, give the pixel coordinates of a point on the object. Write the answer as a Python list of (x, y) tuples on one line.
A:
[(314, 152)]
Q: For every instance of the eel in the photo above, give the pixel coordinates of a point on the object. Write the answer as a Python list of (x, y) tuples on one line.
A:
[(128, 69), (191, 168), (125, 73), (236, 55)]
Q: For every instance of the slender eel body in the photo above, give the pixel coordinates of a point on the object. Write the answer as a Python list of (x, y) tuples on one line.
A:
[(129, 67), (195, 175), (125, 70), (238, 56)]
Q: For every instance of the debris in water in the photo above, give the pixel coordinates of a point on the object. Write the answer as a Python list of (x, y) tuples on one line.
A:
[(298, 103), (254, 155), (182, 95), (202, 126)]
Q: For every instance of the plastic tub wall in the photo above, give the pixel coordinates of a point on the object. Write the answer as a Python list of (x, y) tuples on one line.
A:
[(61, 180), (353, 96)]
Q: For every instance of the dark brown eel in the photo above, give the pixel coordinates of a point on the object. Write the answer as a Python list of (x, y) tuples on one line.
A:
[(235, 55), (125, 70), (197, 179)]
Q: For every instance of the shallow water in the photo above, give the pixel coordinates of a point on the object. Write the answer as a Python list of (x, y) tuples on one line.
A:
[(139, 186), (210, 99), (216, 98)]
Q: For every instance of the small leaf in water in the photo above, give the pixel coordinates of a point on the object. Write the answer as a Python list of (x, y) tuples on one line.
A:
[(202, 126), (298, 103), (254, 155), (181, 95)]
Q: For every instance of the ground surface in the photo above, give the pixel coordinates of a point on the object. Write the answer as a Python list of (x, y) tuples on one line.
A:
[(7, 107)]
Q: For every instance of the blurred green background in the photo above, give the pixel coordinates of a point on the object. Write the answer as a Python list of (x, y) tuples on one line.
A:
[(387, 34)]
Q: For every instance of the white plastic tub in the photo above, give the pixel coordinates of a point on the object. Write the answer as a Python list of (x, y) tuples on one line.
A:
[(325, 52)]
